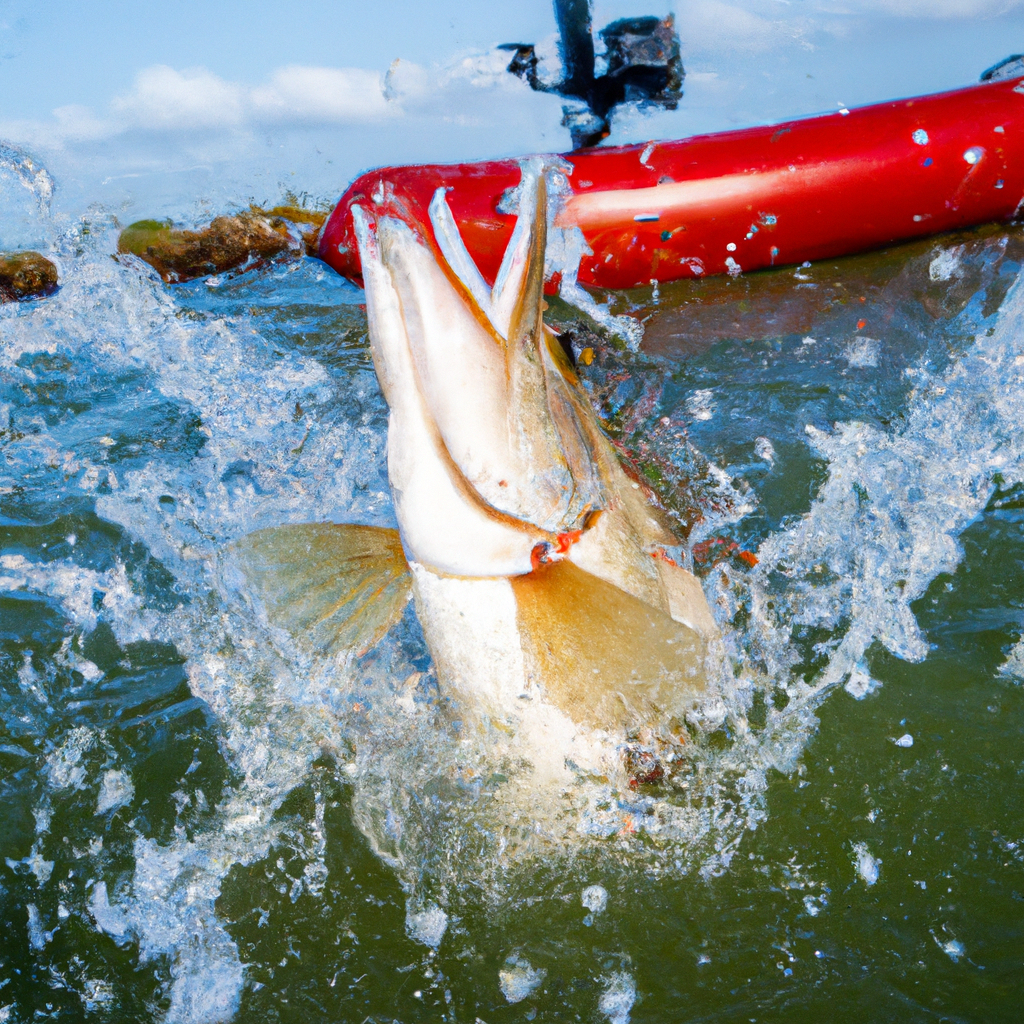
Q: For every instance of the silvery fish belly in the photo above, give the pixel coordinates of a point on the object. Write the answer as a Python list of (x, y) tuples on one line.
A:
[(538, 568)]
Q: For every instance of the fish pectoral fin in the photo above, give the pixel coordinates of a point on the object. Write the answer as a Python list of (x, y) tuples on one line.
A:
[(334, 587), (605, 658)]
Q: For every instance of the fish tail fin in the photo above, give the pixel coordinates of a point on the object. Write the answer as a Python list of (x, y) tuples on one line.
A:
[(334, 587)]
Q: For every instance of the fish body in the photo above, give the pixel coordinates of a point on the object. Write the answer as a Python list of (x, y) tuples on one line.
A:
[(533, 555), (539, 571)]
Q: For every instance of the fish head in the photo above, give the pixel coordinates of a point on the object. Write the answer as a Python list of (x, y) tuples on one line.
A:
[(487, 459)]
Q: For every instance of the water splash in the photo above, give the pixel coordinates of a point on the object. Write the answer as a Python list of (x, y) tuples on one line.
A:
[(224, 423), (887, 520), (30, 174)]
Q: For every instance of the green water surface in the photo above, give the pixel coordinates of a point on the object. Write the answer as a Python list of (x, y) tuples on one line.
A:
[(788, 928)]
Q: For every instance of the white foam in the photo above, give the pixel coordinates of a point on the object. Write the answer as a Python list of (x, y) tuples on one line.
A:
[(425, 923), (108, 918), (63, 765), (519, 979), (862, 353), (883, 525), (116, 790), (594, 898), (616, 1002), (953, 948), (700, 405), (38, 937), (867, 865), (946, 264), (121, 317), (861, 684), (764, 449), (38, 865), (1013, 666), (886, 521)]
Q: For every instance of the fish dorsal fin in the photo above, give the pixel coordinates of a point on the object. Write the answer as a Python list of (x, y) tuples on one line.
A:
[(519, 303), (518, 291), (335, 588), (604, 658)]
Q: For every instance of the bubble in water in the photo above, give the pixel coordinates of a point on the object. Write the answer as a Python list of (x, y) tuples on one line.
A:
[(26, 192), (952, 948), (862, 353), (37, 936), (1013, 667), (764, 449), (64, 766), (879, 530), (700, 405), (946, 264), (108, 919)]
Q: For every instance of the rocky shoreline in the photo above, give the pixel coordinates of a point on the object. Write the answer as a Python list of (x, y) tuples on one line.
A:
[(230, 242), (26, 275)]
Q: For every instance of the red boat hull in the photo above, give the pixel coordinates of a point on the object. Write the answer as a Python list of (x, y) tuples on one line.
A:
[(742, 200)]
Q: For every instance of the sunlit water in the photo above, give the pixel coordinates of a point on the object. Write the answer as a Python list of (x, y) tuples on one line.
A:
[(199, 822)]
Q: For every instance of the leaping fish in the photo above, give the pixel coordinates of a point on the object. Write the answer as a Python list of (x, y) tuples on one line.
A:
[(538, 569)]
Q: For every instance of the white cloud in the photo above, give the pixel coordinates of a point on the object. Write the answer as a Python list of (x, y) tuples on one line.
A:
[(79, 124), (406, 80), (164, 98), (712, 24), (481, 71), (311, 127), (322, 95), (759, 25), (749, 21), (455, 88), (928, 8)]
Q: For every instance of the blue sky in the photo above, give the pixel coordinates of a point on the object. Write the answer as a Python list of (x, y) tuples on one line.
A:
[(85, 52), (183, 106)]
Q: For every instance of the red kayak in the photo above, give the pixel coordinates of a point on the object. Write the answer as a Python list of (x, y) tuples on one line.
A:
[(742, 200)]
